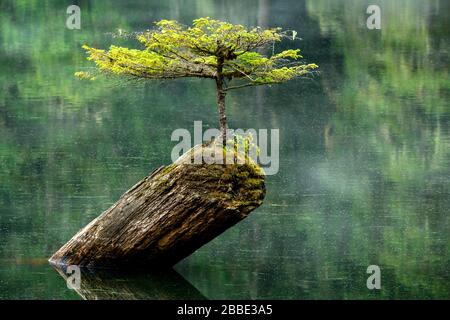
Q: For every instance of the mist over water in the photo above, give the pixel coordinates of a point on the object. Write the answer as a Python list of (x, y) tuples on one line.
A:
[(364, 170)]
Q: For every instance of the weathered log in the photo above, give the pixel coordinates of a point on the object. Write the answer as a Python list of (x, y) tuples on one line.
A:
[(168, 215)]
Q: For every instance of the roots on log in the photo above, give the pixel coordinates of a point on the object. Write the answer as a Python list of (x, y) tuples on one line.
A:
[(168, 215)]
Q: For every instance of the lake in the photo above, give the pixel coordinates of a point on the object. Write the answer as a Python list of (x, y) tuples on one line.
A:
[(364, 175)]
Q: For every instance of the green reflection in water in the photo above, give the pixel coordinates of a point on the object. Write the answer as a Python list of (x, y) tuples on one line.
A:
[(364, 155)]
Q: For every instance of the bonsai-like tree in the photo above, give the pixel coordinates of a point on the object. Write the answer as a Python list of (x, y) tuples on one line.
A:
[(232, 55)]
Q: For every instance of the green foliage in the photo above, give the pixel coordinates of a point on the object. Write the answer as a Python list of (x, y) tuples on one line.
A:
[(244, 143), (207, 49), (374, 187)]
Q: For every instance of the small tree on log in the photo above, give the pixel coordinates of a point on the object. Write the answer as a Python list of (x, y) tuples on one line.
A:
[(210, 49)]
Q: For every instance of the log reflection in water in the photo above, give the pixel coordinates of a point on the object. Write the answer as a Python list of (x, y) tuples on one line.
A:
[(131, 284)]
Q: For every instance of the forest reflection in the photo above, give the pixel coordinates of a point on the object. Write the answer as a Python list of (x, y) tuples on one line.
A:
[(364, 157)]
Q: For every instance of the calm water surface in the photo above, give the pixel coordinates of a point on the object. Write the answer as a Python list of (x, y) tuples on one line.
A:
[(364, 151)]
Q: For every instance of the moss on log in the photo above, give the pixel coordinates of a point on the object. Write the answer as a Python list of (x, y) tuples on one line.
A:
[(168, 215)]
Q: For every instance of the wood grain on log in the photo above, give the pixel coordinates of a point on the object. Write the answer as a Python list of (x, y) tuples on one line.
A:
[(167, 216)]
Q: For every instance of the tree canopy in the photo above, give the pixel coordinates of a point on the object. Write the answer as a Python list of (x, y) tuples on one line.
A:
[(207, 49)]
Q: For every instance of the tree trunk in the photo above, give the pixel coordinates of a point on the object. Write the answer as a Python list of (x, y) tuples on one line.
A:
[(221, 93), (221, 108), (168, 215)]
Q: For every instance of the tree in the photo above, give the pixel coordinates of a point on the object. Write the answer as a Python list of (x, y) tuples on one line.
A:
[(210, 49)]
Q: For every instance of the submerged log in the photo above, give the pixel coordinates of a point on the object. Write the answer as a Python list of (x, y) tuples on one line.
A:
[(133, 284), (168, 215)]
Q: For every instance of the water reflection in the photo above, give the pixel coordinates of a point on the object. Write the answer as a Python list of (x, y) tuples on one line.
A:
[(364, 156), (137, 284)]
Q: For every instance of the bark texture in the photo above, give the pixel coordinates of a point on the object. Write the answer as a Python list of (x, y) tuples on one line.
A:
[(168, 215)]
